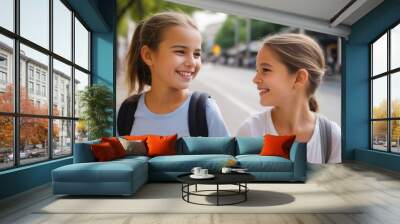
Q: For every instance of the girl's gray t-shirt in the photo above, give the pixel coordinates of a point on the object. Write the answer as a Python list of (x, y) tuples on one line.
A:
[(176, 122)]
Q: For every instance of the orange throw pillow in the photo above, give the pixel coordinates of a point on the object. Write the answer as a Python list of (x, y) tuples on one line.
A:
[(103, 151), (161, 145), (135, 137), (277, 145), (116, 145)]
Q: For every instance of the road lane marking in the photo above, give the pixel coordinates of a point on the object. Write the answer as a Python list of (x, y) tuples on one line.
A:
[(233, 100)]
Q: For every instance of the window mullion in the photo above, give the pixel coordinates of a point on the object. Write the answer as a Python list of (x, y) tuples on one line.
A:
[(16, 84), (50, 87), (73, 82), (371, 89), (389, 92)]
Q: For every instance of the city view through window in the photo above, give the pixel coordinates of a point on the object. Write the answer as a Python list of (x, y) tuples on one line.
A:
[(38, 118), (385, 82)]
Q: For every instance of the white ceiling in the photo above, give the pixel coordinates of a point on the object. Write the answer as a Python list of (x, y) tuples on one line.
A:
[(321, 9), (317, 15)]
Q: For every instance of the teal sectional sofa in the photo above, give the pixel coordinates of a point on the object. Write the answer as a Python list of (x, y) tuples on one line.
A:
[(125, 176)]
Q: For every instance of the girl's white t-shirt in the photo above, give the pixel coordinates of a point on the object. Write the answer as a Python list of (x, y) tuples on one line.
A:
[(176, 122), (261, 123)]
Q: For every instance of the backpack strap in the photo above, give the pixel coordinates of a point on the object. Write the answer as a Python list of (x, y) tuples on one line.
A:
[(126, 115), (197, 114), (197, 120), (325, 131)]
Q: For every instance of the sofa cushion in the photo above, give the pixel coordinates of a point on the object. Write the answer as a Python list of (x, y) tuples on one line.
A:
[(257, 163), (206, 145), (135, 137), (111, 171), (103, 151), (116, 145), (185, 163), (134, 147), (275, 145), (161, 145), (249, 145), (83, 152), (131, 158)]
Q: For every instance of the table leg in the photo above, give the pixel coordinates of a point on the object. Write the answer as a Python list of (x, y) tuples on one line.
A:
[(182, 188), (217, 194), (245, 193), (188, 189)]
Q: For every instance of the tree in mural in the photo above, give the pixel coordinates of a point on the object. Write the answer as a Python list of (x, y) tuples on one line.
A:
[(258, 29), (33, 130), (137, 10)]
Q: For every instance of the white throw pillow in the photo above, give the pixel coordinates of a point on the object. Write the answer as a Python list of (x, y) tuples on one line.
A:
[(133, 147)]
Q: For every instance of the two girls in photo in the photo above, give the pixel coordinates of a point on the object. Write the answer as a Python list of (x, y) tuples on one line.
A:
[(165, 55)]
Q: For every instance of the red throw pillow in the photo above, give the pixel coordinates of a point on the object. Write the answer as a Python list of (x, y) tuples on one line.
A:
[(116, 145), (277, 145), (161, 145), (103, 151)]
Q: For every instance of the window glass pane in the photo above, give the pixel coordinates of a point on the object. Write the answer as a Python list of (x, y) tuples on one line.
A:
[(379, 55), (33, 140), (62, 89), (62, 138), (35, 21), (395, 47), (395, 138), (81, 131), (6, 142), (379, 135), (81, 81), (7, 14), (379, 97), (62, 29), (6, 74), (395, 94), (34, 78), (81, 45)]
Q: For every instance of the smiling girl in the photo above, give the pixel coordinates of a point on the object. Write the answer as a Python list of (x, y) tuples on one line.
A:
[(165, 55), (290, 68)]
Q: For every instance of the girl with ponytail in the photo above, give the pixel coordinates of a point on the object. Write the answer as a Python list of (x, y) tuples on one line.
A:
[(163, 58), (290, 68)]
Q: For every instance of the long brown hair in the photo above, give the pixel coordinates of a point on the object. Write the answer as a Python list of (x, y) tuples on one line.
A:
[(149, 32), (299, 51)]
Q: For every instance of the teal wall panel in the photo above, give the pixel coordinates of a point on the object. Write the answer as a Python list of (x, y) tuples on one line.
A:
[(102, 58), (24, 178), (356, 119), (91, 14), (99, 16), (356, 85), (377, 158)]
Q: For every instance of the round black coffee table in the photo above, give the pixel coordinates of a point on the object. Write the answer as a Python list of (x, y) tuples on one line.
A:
[(238, 179)]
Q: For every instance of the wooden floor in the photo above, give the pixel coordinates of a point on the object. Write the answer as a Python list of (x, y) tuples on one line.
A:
[(378, 188)]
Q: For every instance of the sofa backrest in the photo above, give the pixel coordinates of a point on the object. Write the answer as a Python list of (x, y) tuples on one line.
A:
[(83, 153), (192, 146), (206, 145), (249, 145)]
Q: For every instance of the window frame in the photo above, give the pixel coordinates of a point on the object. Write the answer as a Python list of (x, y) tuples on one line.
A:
[(16, 114), (388, 74)]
